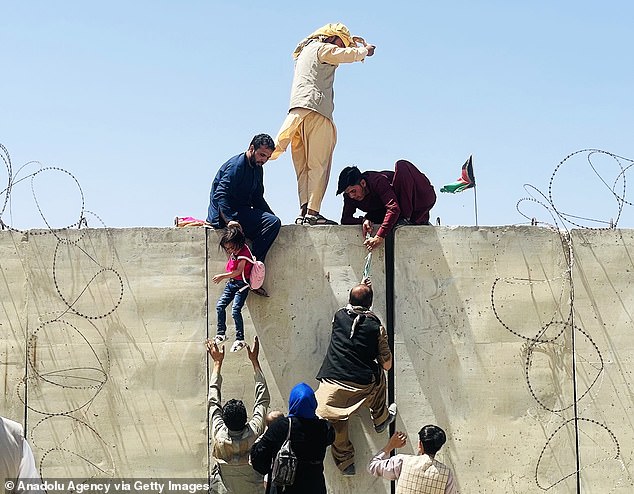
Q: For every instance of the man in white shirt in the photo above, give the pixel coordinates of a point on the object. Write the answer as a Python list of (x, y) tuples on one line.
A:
[(16, 458), (420, 474)]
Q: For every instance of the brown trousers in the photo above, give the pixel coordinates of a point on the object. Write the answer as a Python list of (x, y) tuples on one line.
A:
[(337, 400)]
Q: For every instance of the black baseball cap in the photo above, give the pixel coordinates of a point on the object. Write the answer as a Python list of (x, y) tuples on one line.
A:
[(350, 175)]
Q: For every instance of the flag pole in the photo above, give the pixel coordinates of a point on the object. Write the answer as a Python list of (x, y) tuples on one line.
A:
[(475, 201)]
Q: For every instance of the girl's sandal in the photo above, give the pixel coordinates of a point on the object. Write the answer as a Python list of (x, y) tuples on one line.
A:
[(260, 291)]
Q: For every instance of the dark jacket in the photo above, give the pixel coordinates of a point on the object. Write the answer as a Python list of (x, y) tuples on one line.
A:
[(352, 356), (237, 184), (309, 440)]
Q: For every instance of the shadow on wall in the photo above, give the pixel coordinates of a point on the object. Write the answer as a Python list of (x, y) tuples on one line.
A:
[(310, 271)]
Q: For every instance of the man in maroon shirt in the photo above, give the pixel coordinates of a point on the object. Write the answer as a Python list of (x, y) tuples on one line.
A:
[(403, 196)]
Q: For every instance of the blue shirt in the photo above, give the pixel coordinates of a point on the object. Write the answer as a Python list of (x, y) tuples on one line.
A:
[(238, 184)]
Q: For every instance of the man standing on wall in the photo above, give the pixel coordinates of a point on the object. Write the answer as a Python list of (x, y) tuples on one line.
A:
[(352, 374), (309, 126)]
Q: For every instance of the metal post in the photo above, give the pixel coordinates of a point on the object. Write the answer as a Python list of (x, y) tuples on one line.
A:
[(389, 326)]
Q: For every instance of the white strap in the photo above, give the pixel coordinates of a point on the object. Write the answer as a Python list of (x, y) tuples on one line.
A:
[(252, 260), (290, 422)]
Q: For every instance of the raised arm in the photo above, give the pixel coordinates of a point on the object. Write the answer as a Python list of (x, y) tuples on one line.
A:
[(262, 396), (215, 384), (334, 55), (381, 465)]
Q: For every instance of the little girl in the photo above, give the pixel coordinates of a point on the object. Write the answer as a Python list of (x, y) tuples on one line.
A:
[(236, 289)]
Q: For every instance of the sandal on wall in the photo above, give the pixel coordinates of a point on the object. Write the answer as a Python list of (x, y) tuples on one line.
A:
[(317, 219)]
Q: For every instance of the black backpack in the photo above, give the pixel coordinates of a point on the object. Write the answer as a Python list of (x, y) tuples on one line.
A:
[(284, 465)]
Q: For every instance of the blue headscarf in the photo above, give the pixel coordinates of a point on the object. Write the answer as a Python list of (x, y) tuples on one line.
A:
[(302, 402)]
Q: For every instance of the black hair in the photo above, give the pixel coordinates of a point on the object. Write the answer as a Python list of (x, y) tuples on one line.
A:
[(350, 175), (234, 415), (361, 295), (263, 140), (232, 235), (432, 438)]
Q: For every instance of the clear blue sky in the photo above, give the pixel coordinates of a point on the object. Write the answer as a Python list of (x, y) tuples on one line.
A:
[(142, 101)]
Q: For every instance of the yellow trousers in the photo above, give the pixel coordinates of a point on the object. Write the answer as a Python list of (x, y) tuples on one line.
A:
[(312, 138)]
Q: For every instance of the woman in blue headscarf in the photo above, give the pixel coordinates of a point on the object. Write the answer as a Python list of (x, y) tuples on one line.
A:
[(310, 436)]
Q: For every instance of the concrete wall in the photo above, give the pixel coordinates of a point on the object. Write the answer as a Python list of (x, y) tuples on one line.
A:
[(103, 335)]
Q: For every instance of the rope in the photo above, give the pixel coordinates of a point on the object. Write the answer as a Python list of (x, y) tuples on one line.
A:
[(368, 262)]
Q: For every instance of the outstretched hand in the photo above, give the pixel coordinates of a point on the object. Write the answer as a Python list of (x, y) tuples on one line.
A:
[(397, 440), (253, 354), (216, 354)]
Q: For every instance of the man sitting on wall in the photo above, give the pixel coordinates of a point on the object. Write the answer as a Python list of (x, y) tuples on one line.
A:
[(237, 198)]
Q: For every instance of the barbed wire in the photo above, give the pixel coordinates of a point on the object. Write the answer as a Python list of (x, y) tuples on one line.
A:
[(559, 222), (562, 219), (77, 377)]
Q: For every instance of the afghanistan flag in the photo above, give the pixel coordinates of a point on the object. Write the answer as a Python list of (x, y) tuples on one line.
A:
[(466, 180)]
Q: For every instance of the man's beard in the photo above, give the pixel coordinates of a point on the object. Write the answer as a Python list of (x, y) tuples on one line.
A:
[(252, 161)]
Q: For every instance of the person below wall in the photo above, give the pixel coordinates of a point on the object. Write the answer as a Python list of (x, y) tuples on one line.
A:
[(16, 459), (310, 436), (353, 373), (420, 474), (232, 435)]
